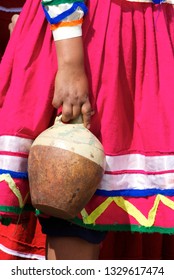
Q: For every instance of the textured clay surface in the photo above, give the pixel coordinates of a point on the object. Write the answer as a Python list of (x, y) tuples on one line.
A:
[(61, 182)]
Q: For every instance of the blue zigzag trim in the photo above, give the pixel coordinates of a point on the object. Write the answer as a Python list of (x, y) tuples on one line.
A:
[(15, 175), (135, 193), (65, 14)]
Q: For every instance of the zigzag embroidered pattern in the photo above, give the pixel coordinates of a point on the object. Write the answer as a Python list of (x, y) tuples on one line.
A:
[(129, 208), (8, 179), (125, 205)]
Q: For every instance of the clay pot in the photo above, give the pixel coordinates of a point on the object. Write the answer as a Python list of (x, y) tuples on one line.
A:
[(65, 166)]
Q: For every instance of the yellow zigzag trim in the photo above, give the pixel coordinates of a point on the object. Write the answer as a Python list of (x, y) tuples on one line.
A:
[(13, 187), (129, 208)]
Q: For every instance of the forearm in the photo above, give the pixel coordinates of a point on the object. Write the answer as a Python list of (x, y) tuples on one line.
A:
[(65, 18), (71, 83), (70, 53)]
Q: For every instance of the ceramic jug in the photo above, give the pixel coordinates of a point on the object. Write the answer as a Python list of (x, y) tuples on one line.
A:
[(65, 166)]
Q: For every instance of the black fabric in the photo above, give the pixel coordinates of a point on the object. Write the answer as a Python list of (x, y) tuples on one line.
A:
[(57, 227)]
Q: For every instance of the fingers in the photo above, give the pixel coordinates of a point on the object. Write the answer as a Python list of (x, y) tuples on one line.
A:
[(57, 102), (76, 111), (14, 18), (70, 112), (87, 112), (13, 22), (10, 27), (72, 105), (67, 112)]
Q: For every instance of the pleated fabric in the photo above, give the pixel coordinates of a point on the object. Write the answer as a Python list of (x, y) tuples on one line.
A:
[(129, 62)]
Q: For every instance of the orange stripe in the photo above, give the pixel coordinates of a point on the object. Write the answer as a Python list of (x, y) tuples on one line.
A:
[(66, 24)]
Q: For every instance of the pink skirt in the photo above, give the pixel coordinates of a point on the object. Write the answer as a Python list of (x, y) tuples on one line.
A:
[(7, 10), (129, 51)]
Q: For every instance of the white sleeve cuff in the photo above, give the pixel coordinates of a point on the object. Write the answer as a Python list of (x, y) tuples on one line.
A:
[(67, 32)]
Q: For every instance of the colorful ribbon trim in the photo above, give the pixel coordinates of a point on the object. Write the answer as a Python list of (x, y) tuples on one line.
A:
[(8, 179), (135, 192), (129, 208), (66, 24), (65, 14)]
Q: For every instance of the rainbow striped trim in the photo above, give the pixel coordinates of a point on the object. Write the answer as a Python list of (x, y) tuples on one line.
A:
[(66, 24), (66, 13)]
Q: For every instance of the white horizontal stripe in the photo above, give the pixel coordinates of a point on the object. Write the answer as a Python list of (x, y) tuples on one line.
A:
[(15, 144), (10, 10), (140, 162), (137, 182), (62, 33), (19, 254), (12, 163)]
